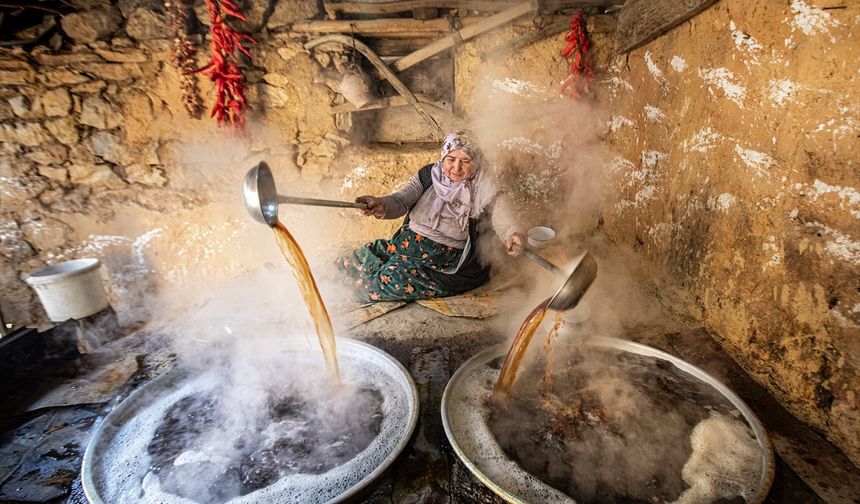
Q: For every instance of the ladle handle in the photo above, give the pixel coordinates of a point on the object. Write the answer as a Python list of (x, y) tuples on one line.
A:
[(543, 263), (292, 200)]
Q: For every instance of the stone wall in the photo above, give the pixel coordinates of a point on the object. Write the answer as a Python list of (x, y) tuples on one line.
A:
[(100, 158), (724, 153)]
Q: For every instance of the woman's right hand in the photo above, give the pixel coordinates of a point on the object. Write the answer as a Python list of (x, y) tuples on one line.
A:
[(372, 206)]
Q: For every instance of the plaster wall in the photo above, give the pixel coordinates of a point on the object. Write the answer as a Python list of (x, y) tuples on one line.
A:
[(735, 170), (725, 154)]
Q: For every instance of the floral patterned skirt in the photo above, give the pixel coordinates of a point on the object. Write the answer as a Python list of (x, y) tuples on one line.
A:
[(401, 268)]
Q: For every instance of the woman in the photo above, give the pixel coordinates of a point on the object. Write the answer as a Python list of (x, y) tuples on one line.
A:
[(433, 254)]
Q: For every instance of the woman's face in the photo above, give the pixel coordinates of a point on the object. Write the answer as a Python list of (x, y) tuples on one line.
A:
[(457, 165)]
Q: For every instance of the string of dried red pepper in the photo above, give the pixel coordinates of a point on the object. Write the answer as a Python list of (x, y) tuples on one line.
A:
[(183, 55), (581, 73), (223, 68)]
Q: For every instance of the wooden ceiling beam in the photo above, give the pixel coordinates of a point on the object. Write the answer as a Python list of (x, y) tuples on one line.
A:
[(462, 34), (333, 8), (403, 27)]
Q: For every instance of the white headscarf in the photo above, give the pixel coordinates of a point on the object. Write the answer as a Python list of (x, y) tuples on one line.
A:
[(465, 198)]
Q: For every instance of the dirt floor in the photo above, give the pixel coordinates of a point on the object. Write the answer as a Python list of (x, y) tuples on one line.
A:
[(41, 450)]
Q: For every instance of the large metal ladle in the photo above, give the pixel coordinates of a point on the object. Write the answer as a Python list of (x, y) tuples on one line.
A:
[(568, 295), (262, 198)]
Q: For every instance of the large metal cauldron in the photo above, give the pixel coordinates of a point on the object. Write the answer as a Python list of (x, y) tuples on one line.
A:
[(465, 419), (116, 458)]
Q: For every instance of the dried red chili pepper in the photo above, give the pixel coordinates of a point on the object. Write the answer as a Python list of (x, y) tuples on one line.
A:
[(581, 72), (183, 55), (222, 68)]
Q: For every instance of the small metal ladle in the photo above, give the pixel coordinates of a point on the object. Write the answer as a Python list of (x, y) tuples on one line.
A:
[(262, 198), (568, 295)]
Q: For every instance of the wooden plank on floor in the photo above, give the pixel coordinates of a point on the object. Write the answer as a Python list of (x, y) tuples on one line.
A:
[(641, 21)]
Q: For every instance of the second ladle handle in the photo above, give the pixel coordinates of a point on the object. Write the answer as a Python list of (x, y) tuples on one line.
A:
[(543, 263), (319, 202)]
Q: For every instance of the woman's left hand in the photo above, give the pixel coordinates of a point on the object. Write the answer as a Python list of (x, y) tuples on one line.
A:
[(515, 244)]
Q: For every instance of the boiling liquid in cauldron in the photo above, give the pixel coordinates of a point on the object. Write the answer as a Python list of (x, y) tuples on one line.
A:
[(194, 456), (614, 426), (311, 293)]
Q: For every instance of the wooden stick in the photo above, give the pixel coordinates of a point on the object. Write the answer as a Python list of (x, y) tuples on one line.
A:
[(383, 69), (390, 101), (466, 33), (441, 111)]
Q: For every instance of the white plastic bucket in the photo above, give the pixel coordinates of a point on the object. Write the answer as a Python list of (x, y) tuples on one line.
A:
[(70, 289)]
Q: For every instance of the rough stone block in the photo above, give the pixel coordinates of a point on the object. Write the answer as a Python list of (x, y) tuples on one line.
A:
[(15, 77), (64, 130), (49, 154), (289, 11), (112, 71), (91, 25), (123, 55), (98, 113), (24, 133), (89, 87), (20, 105), (58, 174), (145, 24), (95, 174), (56, 102), (63, 77), (52, 59), (110, 147)]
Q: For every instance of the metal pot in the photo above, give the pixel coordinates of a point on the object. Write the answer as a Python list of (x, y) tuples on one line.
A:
[(116, 461), (463, 417)]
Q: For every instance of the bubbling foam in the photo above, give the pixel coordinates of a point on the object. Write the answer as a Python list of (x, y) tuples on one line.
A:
[(725, 462), (121, 466)]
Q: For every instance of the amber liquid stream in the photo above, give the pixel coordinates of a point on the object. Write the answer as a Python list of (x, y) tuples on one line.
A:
[(311, 293), (508, 374)]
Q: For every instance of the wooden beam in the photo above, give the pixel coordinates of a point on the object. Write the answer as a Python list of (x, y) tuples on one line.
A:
[(408, 5), (332, 8), (554, 5), (641, 21), (465, 33), (396, 47), (601, 23), (392, 26)]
